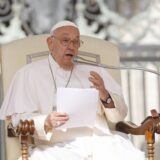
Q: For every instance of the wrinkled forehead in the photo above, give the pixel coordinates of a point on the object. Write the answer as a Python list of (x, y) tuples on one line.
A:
[(67, 31)]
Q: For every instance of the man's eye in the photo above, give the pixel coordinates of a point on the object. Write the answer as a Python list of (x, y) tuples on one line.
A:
[(76, 42), (65, 40)]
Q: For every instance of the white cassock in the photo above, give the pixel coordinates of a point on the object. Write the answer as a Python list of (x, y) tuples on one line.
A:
[(31, 95)]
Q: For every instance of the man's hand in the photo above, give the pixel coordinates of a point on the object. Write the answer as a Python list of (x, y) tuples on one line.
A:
[(55, 119), (98, 83)]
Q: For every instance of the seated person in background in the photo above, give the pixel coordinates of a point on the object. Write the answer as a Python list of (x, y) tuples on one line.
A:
[(32, 95)]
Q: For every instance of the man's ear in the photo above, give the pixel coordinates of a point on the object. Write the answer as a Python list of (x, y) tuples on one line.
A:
[(49, 42)]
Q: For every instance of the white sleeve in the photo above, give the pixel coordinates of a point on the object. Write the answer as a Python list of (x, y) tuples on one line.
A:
[(21, 95), (119, 112)]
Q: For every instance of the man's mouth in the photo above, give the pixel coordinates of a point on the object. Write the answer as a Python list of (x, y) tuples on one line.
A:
[(69, 55)]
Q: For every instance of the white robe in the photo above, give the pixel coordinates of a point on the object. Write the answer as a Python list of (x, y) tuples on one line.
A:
[(31, 95)]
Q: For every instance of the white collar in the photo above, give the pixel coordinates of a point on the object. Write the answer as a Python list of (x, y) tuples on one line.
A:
[(56, 69)]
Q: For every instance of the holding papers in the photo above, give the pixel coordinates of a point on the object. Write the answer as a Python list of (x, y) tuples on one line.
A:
[(80, 104)]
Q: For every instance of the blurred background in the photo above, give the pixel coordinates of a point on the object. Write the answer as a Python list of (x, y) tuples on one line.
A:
[(133, 25)]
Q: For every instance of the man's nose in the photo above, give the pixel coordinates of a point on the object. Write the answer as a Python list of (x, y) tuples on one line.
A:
[(71, 44)]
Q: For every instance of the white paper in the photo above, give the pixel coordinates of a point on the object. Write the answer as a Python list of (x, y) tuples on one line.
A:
[(80, 104)]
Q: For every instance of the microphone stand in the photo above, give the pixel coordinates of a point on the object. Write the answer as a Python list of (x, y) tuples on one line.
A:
[(80, 60)]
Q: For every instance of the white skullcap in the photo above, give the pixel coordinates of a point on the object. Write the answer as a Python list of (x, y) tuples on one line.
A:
[(62, 24)]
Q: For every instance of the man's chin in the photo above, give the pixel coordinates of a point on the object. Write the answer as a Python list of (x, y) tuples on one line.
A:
[(68, 65)]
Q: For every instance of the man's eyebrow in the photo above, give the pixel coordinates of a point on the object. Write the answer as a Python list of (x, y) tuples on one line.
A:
[(65, 34)]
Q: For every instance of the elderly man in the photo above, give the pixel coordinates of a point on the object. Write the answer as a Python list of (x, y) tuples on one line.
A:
[(37, 84)]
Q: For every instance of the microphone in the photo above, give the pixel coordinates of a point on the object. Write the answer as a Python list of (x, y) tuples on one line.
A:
[(81, 60)]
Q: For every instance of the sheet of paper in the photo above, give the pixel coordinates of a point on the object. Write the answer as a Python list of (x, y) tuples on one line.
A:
[(80, 104)]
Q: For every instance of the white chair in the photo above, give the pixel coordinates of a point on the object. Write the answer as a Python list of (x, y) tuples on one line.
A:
[(17, 53)]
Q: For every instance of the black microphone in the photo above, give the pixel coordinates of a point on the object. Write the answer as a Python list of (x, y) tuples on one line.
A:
[(81, 60)]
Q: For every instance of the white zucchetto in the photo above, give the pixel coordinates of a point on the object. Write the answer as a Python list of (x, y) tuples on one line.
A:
[(62, 24)]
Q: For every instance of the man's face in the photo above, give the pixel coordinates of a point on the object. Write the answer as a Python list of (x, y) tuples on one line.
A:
[(64, 45)]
